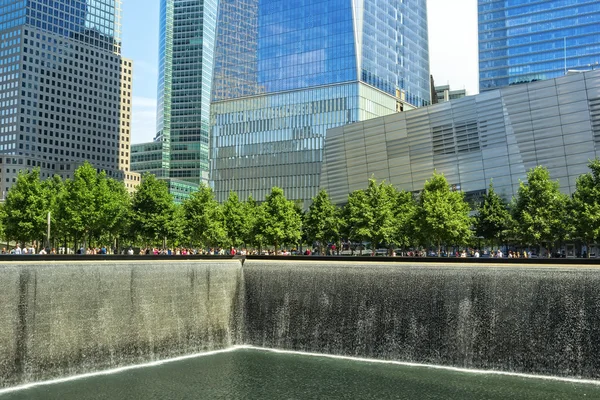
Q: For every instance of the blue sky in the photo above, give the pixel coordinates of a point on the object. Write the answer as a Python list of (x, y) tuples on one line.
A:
[(452, 53), (140, 43)]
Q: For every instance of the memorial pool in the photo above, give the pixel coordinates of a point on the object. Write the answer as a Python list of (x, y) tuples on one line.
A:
[(249, 373)]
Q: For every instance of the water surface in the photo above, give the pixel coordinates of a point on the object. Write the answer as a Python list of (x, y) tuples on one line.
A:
[(258, 374)]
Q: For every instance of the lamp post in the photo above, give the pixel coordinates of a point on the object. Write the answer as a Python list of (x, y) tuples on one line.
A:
[(48, 229)]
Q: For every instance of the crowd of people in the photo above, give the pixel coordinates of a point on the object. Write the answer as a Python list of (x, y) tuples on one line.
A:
[(31, 250)]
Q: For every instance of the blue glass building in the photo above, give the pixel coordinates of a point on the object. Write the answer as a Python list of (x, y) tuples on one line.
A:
[(186, 44), (66, 90), (528, 40), (286, 71)]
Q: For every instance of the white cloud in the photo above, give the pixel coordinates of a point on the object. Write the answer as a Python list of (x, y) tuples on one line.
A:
[(453, 50), (143, 119)]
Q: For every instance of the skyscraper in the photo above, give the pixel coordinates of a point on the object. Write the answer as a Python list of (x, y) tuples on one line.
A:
[(179, 153), (286, 71), (65, 91), (524, 41)]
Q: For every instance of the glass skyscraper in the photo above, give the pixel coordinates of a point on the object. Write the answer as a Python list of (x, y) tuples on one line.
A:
[(186, 44), (65, 91), (286, 71), (526, 40)]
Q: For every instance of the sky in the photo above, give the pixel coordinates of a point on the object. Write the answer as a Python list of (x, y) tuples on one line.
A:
[(452, 53)]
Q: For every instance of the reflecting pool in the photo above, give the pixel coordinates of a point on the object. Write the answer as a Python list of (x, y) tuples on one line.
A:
[(249, 373)]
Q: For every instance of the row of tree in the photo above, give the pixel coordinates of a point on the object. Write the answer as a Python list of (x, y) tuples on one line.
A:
[(92, 210)]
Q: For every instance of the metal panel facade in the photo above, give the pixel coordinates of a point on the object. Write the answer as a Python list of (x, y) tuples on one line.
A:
[(498, 135)]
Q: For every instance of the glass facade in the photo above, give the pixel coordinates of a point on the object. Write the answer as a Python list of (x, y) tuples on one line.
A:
[(94, 22), (524, 40), (66, 90), (285, 72), (186, 48)]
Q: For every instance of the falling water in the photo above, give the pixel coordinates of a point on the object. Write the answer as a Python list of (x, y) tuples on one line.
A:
[(517, 319), (59, 319)]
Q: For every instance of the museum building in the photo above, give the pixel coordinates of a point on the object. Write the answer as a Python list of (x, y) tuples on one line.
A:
[(497, 135)]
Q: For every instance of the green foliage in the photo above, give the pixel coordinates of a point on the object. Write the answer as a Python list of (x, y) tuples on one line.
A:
[(237, 223), (255, 214), (204, 219), (371, 214), (54, 189), (493, 220), (539, 209), (585, 206), (98, 209), (115, 205), (78, 204), (356, 217), (153, 213), (322, 222), (25, 209), (444, 214), (279, 221), (405, 212)]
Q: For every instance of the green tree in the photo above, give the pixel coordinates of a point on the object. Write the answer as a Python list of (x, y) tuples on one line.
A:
[(26, 208), (235, 219), (539, 209), (204, 218), (370, 214), (153, 211), (279, 221), (322, 221), (493, 220), (443, 214), (355, 218), (381, 201), (114, 203), (585, 206), (79, 208), (405, 211), (253, 234)]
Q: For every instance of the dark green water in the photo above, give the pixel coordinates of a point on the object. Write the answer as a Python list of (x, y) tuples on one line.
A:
[(255, 374)]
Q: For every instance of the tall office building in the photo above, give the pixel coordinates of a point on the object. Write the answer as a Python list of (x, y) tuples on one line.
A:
[(525, 41), (65, 91), (286, 71), (179, 153)]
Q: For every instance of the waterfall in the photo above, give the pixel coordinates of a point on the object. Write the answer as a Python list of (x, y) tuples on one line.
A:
[(64, 318), (508, 318), (60, 319)]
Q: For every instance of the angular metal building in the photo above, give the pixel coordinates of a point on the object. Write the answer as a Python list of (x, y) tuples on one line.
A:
[(497, 135)]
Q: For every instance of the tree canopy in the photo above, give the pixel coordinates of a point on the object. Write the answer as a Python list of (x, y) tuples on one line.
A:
[(493, 219), (539, 209), (153, 212), (280, 223), (444, 214), (204, 219), (26, 208), (585, 206), (322, 221)]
